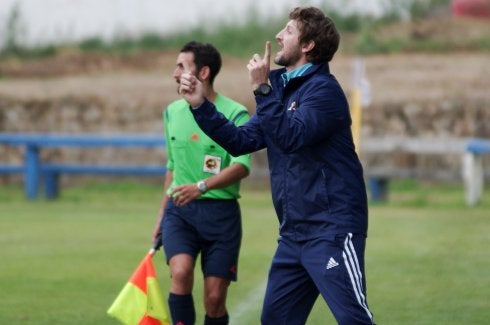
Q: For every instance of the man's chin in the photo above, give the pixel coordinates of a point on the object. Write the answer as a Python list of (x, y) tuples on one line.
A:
[(279, 61)]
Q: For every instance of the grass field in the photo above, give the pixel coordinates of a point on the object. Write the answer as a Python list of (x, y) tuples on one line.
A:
[(64, 261)]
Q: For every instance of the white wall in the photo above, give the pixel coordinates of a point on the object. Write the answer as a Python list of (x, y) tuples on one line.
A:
[(58, 21)]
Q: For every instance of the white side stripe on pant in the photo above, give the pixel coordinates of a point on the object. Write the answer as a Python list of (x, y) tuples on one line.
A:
[(355, 274)]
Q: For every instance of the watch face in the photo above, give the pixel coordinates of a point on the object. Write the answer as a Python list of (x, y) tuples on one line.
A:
[(265, 89), (201, 186)]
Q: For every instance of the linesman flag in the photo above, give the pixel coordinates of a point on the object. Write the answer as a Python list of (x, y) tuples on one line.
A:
[(140, 302)]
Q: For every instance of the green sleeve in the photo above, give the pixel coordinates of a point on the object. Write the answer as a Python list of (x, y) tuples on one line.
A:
[(170, 158), (240, 119)]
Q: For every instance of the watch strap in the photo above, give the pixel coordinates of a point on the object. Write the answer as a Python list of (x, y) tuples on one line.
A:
[(263, 89)]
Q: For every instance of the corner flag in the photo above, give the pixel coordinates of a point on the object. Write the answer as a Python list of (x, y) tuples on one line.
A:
[(359, 99), (140, 302)]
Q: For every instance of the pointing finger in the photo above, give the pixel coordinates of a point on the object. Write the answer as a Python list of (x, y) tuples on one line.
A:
[(267, 53)]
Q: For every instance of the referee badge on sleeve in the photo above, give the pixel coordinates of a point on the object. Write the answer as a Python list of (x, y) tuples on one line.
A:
[(212, 164)]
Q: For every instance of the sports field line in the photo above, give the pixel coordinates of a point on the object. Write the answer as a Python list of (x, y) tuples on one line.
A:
[(248, 304)]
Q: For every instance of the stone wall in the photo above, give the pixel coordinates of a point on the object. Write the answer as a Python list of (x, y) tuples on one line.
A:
[(80, 115), (457, 117), (450, 118)]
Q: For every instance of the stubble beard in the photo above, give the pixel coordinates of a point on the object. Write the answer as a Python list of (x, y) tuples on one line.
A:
[(287, 60)]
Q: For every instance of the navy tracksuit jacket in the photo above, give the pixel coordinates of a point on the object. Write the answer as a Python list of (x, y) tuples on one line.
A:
[(316, 177)]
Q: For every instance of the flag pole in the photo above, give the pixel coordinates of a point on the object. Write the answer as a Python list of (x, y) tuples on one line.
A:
[(156, 245), (360, 98)]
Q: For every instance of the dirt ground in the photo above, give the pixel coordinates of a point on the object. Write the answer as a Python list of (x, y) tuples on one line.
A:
[(146, 78)]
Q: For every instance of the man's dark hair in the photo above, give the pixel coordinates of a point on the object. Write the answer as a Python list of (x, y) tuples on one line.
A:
[(204, 55), (315, 26)]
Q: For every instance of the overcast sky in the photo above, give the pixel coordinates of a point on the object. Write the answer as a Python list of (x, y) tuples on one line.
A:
[(57, 21)]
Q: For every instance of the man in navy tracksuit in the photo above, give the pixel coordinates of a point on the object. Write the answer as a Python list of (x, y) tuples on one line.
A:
[(303, 120)]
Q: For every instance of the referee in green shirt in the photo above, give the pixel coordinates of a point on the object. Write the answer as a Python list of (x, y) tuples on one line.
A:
[(199, 211)]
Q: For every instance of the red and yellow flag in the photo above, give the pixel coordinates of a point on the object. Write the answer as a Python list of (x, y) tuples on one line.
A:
[(140, 302)]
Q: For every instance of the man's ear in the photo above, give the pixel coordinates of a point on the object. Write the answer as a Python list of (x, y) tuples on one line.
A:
[(307, 47), (204, 73)]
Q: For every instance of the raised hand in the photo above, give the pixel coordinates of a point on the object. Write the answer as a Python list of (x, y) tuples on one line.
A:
[(191, 88), (258, 68)]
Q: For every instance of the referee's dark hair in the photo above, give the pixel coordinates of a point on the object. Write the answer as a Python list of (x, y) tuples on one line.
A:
[(205, 54)]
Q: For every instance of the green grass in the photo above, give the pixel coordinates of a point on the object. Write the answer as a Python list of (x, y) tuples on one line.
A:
[(64, 261)]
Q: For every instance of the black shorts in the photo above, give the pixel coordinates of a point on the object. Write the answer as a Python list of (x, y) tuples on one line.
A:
[(210, 227)]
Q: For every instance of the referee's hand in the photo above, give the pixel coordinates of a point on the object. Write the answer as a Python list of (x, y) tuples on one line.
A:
[(157, 242), (184, 194)]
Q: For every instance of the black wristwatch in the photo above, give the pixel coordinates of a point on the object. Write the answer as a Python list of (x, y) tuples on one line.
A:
[(263, 90)]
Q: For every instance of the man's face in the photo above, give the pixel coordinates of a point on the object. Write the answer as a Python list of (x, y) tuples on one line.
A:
[(184, 59), (289, 48)]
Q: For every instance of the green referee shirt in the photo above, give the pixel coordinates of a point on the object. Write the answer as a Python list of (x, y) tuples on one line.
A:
[(192, 155)]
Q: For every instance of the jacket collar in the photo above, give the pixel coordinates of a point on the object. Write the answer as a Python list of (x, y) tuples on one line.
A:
[(277, 81)]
